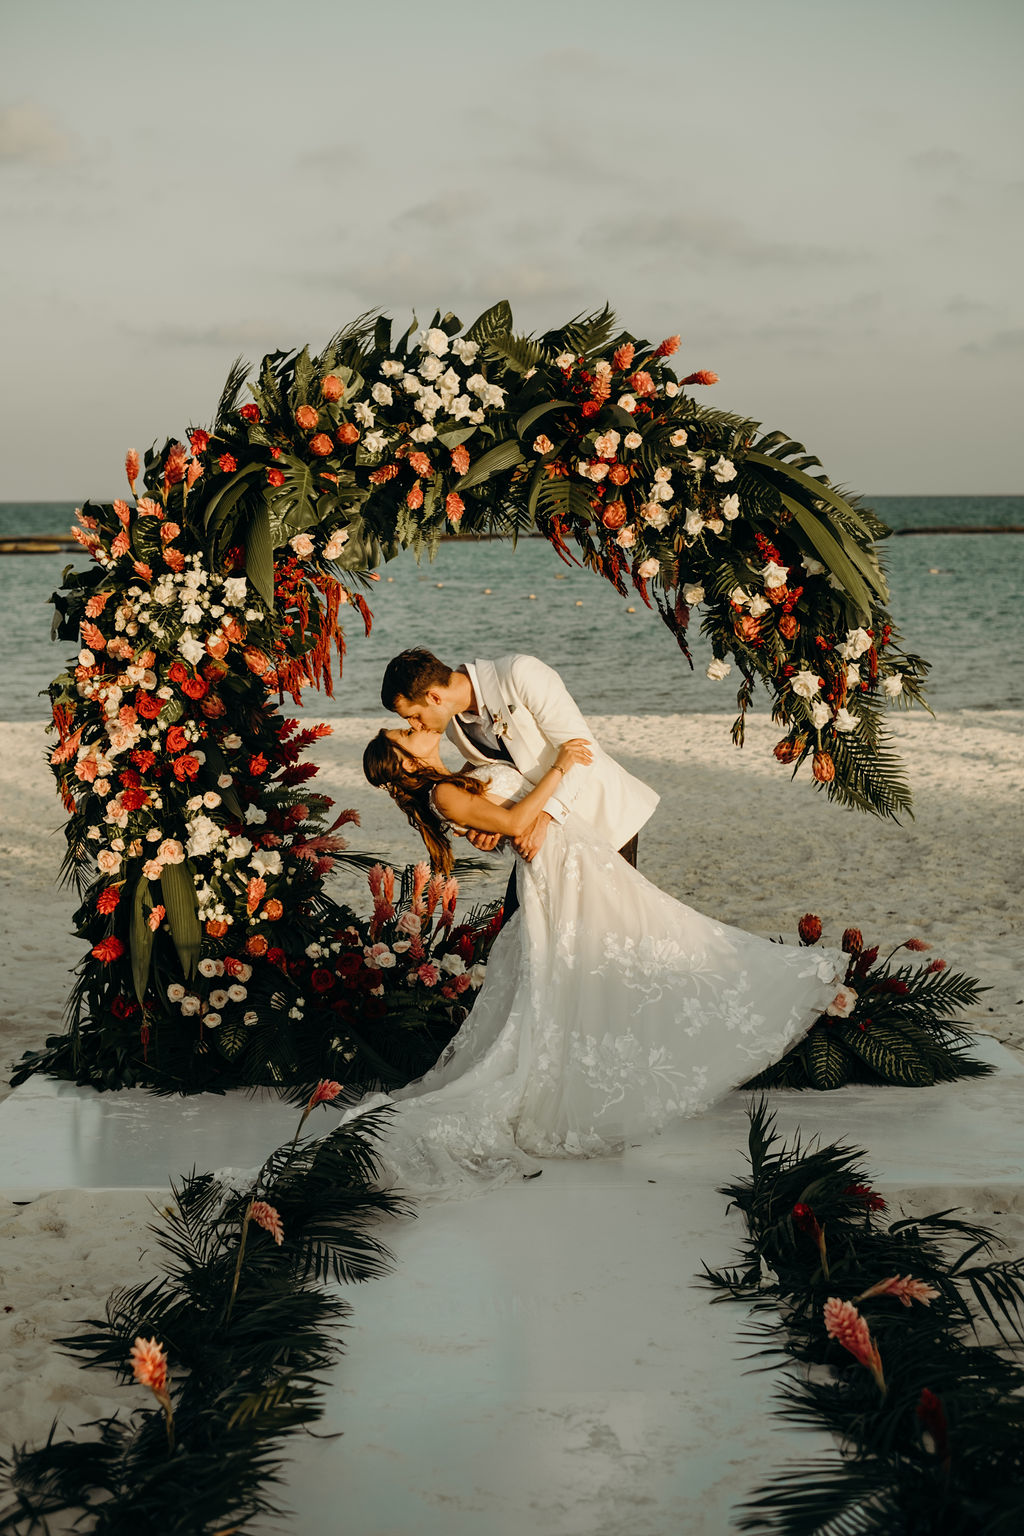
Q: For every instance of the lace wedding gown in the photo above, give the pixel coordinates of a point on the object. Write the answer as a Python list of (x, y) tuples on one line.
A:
[(608, 1009)]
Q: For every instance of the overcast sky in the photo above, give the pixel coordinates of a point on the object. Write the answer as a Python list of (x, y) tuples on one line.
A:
[(824, 198)]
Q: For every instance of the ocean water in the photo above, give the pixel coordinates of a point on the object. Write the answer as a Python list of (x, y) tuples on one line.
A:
[(956, 597)]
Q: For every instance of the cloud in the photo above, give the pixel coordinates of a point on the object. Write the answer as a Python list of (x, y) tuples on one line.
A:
[(30, 136), (710, 238), (1005, 343), (939, 161), (252, 335)]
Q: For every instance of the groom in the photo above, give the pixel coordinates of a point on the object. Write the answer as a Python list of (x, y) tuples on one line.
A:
[(517, 709)]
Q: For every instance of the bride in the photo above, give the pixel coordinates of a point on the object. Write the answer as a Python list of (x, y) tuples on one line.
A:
[(608, 1008)]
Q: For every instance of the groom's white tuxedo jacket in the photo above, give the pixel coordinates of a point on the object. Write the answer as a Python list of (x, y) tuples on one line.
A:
[(534, 713)]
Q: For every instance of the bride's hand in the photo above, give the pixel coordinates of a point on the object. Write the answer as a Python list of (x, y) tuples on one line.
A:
[(571, 753)]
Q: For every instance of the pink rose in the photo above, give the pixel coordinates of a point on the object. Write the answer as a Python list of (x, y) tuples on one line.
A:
[(302, 544), (410, 923), (108, 861), (428, 974)]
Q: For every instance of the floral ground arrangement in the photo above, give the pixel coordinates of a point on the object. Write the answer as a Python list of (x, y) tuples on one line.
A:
[(881, 1323), (216, 590), (888, 1024)]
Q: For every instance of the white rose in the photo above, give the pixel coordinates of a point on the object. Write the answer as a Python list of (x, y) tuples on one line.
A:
[(692, 593), (108, 861), (843, 1004), (730, 508), (431, 368), (237, 993), (758, 604), (303, 546), (679, 437), (207, 968), (411, 384), (597, 471), (211, 799), (192, 613), (238, 848), (626, 537), (662, 472), (478, 973), (204, 835), (375, 442), (466, 350), (211, 1020), (86, 659), (564, 360), (335, 544), (424, 434), (233, 742), (175, 992), (694, 523), (648, 568), (170, 851), (811, 566), (235, 589), (219, 997), (255, 815), (632, 440), (697, 460), (382, 394), (364, 414), (428, 404), (853, 677), (716, 525), (435, 341), (190, 648), (893, 686), (190, 1005), (627, 403), (606, 445), (805, 684), (453, 964), (718, 669), (654, 516), (774, 575), (857, 642), (844, 721), (724, 470), (662, 491), (820, 714), (266, 861), (392, 368), (671, 388)]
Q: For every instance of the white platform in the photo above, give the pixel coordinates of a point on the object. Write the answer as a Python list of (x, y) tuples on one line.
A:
[(541, 1361)]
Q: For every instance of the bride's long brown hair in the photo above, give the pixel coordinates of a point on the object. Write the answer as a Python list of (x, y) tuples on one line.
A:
[(410, 788)]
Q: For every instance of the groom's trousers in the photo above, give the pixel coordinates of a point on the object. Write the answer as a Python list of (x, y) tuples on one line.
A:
[(511, 902)]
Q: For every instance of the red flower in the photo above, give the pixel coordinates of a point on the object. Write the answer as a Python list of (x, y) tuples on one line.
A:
[(174, 468), (143, 759), (667, 347), (331, 387), (216, 927), (702, 377), (321, 445), (347, 434), (148, 705), (195, 688), (421, 464), (257, 765), (865, 1196), (199, 440), (267, 1217), (108, 950), (385, 473), (809, 928), (622, 357), (805, 1219), (614, 515), (275, 477), (349, 966), (228, 463), (932, 1417), (460, 459), (176, 740), (134, 799), (454, 506), (321, 980), (276, 956), (131, 467), (108, 899), (414, 497), (936, 965), (186, 767), (618, 474), (250, 412), (853, 941), (307, 417), (176, 673), (916, 944), (256, 945), (589, 408), (324, 1092)]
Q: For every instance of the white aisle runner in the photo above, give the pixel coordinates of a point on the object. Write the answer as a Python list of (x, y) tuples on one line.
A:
[(542, 1359)]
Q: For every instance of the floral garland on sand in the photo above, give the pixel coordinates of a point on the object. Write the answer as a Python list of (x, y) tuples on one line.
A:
[(196, 844)]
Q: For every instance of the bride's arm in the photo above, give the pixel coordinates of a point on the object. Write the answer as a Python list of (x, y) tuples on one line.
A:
[(480, 814)]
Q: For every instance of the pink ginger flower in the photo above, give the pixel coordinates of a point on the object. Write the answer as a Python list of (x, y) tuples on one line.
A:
[(120, 545), (195, 469), (622, 357), (174, 468), (641, 383), (449, 896), (668, 346), (434, 889), (844, 1324), (156, 917), (375, 880), (122, 512), (149, 1365), (85, 522), (454, 506), (131, 467), (388, 884), (147, 507), (916, 944), (935, 967), (324, 1092), (88, 541), (905, 1288), (702, 376), (269, 1219), (420, 878)]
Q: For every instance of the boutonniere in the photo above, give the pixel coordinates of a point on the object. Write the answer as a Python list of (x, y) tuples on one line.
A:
[(499, 723)]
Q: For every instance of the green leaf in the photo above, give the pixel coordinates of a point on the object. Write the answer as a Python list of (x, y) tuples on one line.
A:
[(453, 436), (141, 938), (259, 553), (520, 352), (179, 895), (825, 1059), (494, 321), (888, 1053), (818, 489), (231, 1040), (226, 495), (382, 334), (526, 421), (834, 553), (504, 455)]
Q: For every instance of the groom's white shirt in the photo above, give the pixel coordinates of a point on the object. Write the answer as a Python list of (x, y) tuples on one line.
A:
[(524, 701)]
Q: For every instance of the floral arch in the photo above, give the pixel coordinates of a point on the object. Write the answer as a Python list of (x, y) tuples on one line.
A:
[(200, 855)]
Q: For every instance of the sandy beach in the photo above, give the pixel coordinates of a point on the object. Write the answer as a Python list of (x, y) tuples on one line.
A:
[(732, 837)]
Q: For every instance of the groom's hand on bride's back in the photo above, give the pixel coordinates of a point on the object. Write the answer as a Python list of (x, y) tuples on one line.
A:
[(528, 844)]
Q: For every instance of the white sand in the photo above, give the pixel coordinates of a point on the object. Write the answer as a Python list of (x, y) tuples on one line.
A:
[(732, 837)]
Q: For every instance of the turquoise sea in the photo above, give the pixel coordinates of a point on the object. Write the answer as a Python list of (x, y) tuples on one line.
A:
[(956, 597)]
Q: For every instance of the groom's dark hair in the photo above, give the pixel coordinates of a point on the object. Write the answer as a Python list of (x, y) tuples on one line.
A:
[(409, 675)]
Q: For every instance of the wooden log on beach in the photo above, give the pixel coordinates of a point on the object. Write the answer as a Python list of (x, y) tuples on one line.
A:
[(963, 528), (36, 544)]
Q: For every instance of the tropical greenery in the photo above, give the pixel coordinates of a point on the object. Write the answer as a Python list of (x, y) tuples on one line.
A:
[(889, 1023), (199, 850), (881, 1322)]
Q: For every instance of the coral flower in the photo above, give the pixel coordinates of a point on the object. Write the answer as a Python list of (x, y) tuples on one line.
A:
[(667, 347), (120, 546), (108, 899), (268, 1218), (250, 413), (454, 506), (199, 440), (787, 750), (385, 473), (915, 944), (275, 477), (147, 507), (108, 950), (149, 1364), (255, 892), (256, 945), (324, 1092), (460, 459), (216, 927), (347, 434), (307, 417), (321, 445), (622, 357), (131, 467), (414, 497), (156, 917), (421, 464), (331, 387), (936, 965), (228, 463), (809, 928), (174, 468), (844, 1324), (703, 376), (905, 1288)]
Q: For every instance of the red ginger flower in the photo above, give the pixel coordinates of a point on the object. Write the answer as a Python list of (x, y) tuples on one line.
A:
[(622, 357), (641, 383), (421, 464), (414, 497), (199, 440), (268, 1218), (108, 899), (149, 1365), (809, 928), (844, 1324), (385, 473), (131, 467), (905, 1288), (108, 950), (174, 468), (703, 376), (667, 347), (460, 459), (805, 1219), (324, 1092), (454, 506), (93, 637)]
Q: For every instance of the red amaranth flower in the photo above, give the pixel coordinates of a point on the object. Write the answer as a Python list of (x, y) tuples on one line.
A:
[(250, 413), (108, 950), (809, 928), (108, 899), (321, 445), (703, 376), (844, 1324), (268, 1218), (228, 463)]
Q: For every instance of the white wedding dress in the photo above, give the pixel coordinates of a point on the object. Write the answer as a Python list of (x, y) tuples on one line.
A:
[(608, 1009)]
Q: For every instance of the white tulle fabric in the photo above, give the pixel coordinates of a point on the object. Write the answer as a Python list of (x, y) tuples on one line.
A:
[(608, 1009)]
